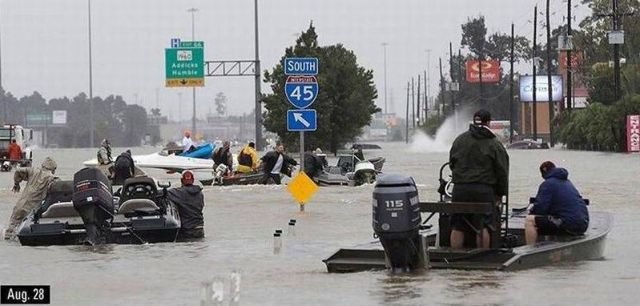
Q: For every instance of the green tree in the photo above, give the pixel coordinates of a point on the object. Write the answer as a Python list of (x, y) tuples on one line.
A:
[(345, 102), (496, 46)]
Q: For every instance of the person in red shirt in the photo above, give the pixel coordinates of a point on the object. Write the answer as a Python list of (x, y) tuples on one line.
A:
[(14, 151)]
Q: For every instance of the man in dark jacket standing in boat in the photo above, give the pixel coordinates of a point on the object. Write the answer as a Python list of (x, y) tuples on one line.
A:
[(190, 202), (480, 173), (276, 162), (558, 208)]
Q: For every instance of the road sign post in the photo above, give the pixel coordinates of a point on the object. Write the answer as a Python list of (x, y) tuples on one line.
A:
[(301, 89)]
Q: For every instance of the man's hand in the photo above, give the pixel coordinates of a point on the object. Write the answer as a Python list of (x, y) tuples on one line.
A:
[(16, 188)]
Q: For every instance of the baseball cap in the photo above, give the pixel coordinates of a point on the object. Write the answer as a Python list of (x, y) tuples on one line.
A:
[(481, 117)]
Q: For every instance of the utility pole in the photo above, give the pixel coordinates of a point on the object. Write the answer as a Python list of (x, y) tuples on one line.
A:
[(511, 85), (91, 120), (413, 104), (406, 128), (453, 98), (193, 38), (441, 86), (418, 109), (535, 107), (427, 84), (616, 38), (569, 82), (549, 85), (426, 98), (4, 113), (384, 48)]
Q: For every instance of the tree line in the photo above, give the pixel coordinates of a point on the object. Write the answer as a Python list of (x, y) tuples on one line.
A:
[(123, 124)]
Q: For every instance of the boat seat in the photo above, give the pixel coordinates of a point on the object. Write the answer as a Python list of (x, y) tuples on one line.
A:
[(139, 187), (131, 205), (61, 210)]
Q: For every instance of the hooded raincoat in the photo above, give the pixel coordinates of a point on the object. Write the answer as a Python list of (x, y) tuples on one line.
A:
[(190, 202), (38, 182)]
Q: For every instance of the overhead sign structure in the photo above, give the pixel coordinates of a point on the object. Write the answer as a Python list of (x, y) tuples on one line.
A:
[(301, 90), (301, 66), (301, 120), (184, 65)]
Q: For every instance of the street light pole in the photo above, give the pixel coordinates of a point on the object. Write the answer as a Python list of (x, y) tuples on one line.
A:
[(4, 113), (193, 10), (384, 48), (258, 83), (91, 121)]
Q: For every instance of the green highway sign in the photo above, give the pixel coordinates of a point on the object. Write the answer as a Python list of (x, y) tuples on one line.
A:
[(184, 66)]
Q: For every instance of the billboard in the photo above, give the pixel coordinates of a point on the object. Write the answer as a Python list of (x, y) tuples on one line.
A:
[(59, 117), (633, 133), (490, 71), (542, 95)]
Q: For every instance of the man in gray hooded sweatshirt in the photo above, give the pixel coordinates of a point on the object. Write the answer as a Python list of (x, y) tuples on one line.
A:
[(38, 182), (190, 203)]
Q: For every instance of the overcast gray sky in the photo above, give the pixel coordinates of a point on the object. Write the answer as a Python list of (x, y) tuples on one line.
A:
[(44, 43)]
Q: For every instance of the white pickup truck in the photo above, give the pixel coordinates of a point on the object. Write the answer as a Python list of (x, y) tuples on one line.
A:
[(8, 133)]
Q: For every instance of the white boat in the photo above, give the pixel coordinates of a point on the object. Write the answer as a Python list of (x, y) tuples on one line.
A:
[(169, 162)]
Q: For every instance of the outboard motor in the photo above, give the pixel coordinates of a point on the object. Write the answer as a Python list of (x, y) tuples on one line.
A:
[(396, 221), (93, 200)]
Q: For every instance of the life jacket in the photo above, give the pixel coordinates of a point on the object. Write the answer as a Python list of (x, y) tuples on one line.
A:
[(245, 159)]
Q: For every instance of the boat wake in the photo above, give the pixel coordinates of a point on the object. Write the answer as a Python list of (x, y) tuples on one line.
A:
[(446, 134)]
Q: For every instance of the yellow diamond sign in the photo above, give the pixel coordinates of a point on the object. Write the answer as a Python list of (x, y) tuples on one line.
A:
[(302, 188)]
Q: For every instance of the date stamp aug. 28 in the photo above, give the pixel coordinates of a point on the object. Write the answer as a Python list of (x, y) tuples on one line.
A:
[(25, 294)]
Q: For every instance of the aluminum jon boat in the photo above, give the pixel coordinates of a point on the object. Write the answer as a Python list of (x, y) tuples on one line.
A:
[(406, 243)]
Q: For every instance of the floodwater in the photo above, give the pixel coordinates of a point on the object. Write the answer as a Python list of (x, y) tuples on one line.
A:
[(240, 221)]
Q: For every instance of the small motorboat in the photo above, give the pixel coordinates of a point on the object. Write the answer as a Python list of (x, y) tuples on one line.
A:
[(406, 243), (142, 213), (200, 151), (169, 162), (350, 171), (223, 177)]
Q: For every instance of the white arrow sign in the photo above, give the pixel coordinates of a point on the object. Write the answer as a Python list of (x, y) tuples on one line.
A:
[(298, 117)]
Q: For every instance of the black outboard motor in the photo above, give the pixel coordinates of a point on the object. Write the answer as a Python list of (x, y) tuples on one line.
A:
[(93, 200), (396, 221)]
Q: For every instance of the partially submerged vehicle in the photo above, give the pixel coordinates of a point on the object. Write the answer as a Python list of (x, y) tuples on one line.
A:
[(406, 243), (141, 213), (528, 145), (350, 170)]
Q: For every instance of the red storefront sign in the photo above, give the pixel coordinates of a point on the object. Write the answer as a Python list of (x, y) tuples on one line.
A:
[(633, 133), (490, 71), (576, 60)]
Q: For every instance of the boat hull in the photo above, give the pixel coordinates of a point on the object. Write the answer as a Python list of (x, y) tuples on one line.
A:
[(549, 250)]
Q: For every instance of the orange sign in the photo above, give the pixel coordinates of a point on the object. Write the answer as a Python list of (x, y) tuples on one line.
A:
[(576, 60), (490, 71)]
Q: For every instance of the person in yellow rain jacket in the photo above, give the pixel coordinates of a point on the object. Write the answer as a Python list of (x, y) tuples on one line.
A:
[(248, 159)]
